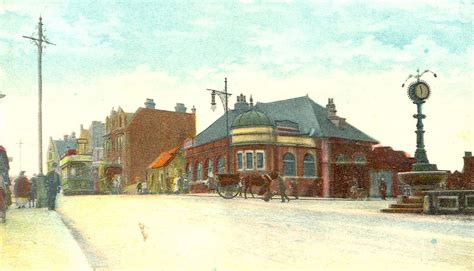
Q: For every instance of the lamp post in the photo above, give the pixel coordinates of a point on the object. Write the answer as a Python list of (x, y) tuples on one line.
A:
[(224, 96)]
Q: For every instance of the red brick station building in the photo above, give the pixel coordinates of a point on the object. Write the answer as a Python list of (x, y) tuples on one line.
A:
[(300, 139)]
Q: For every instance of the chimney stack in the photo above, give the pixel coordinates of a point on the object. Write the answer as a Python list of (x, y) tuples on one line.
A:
[(180, 108), (149, 103), (332, 116), (241, 103), (73, 135), (65, 137), (193, 110)]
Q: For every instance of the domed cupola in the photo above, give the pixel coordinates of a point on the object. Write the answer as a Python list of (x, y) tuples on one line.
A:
[(252, 127), (251, 118)]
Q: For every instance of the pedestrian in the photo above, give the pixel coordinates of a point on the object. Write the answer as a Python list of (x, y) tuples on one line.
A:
[(383, 189), (139, 186), (211, 182), (54, 186), (282, 188), (21, 190), (33, 187)]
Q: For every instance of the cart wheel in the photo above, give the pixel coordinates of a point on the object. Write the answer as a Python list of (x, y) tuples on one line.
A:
[(228, 191)]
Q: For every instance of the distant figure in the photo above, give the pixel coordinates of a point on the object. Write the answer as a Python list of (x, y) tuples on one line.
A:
[(21, 190), (211, 182), (383, 189), (33, 186), (144, 187), (139, 187), (54, 186)]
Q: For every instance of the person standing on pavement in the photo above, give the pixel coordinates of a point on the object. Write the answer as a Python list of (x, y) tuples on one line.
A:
[(21, 190), (33, 185), (383, 188), (54, 186)]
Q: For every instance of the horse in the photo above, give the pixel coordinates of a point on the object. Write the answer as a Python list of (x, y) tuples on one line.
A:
[(256, 180)]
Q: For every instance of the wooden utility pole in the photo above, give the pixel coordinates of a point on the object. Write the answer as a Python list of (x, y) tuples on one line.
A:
[(39, 43)]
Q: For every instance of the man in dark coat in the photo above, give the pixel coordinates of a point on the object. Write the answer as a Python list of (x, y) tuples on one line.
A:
[(54, 184), (383, 189), (33, 184)]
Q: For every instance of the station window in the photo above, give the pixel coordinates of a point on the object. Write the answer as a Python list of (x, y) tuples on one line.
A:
[(240, 161), (210, 168), (309, 165), (289, 167), (199, 171), (221, 165), (260, 159), (249, 160)]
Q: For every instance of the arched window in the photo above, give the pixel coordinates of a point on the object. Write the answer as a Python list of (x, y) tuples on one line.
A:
[(210, 168), (360, 159), (309, 165), (221, 165), (341, 158), (289, 167), (190, 173), (199, 171)]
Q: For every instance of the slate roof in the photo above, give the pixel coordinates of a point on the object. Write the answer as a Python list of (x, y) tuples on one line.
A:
[(310, 116), (62, 145)]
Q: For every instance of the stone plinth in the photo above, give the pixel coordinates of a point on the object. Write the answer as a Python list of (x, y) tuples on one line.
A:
[(420, 182)]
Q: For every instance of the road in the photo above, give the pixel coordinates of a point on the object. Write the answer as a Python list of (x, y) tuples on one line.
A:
[(163, 232)]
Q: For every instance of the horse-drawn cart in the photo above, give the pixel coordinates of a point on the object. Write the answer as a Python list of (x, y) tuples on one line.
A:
[(228, 185)]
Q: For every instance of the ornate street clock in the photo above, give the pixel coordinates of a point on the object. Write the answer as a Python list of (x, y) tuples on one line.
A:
[(419, 91)]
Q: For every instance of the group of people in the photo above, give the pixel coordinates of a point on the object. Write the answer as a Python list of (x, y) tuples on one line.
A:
[(25, 190)]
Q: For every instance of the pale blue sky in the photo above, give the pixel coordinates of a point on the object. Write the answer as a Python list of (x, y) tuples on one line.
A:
[(117, 53)]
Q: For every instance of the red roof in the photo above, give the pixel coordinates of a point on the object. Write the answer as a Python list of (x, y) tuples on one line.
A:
[(164, 158)]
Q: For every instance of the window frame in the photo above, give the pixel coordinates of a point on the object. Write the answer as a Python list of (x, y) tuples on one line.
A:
[(263, 160), (240, 162), (246, 160), (294, 164), (307, 163)]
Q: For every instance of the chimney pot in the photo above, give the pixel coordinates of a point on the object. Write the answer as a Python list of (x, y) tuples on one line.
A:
[(149, 103)]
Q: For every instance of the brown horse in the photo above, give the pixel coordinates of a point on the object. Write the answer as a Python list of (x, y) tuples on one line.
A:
[(274, 176), (255, 180), (262, 180)]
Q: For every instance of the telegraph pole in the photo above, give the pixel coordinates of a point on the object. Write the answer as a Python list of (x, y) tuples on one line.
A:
[(39, 43)]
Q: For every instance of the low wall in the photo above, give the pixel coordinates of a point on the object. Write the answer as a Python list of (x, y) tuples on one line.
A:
[(449, 202)]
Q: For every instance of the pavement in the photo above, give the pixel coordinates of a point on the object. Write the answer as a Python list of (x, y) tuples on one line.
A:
[(37, 239)]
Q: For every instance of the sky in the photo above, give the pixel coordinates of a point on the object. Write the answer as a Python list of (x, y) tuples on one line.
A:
[(118, 53)]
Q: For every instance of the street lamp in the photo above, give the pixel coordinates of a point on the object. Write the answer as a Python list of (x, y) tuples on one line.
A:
[(224, 96)]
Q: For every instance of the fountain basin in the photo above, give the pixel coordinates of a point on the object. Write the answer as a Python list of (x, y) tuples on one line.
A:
[(423, 178)]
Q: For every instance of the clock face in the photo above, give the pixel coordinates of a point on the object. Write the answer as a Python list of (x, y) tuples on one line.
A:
[(422, 91)]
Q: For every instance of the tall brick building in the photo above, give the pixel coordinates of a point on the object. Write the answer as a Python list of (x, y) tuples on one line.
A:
[(133, 140), (296, 137)]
